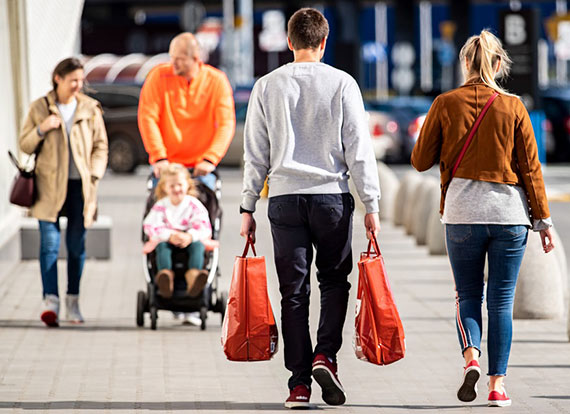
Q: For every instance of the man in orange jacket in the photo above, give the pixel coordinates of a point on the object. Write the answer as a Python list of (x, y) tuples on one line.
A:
[(186, 112)]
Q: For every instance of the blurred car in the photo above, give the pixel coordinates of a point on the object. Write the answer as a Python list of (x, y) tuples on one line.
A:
[(409, 113), (556, 106), (126, 149), (384, 133), (234, 155), (120, 104)]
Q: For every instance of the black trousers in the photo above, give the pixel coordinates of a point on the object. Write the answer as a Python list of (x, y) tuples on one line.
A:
[(299, 222)]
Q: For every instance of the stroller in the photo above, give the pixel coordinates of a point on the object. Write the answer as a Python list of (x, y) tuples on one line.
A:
[(212, 297)]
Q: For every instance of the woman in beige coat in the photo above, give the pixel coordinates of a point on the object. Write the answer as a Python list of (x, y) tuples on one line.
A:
[(67, 128)]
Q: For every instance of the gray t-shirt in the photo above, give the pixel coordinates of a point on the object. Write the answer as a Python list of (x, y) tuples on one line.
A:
[(305, 129), (481, 202)]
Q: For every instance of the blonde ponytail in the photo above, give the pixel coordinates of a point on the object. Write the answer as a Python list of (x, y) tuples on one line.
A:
[(483, 52)]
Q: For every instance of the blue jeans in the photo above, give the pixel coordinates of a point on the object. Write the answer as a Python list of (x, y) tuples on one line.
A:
[(75, 242), (467, 247)]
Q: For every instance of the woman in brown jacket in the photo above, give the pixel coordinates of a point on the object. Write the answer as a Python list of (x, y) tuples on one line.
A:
[(486, 206), (67, 128)]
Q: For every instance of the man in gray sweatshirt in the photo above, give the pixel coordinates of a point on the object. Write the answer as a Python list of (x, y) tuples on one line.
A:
[(306, 128)]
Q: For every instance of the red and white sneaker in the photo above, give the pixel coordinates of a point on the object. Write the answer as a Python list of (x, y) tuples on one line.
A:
[(468, 389), (325, 373), (299, 398), (50, 313), (497, 399)]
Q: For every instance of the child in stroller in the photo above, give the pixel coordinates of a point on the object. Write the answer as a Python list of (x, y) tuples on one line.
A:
[(211, 297), (178, 221)]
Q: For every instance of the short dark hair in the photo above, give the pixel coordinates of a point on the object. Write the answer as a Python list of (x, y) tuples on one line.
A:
[(64, 67), (307, 28)]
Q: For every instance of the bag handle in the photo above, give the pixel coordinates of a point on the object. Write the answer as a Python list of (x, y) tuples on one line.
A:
[(373, 242), (15, 161), (248, 243), (472, 133)]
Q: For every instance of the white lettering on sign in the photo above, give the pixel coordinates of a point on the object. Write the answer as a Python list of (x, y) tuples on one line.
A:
[(515, 29)]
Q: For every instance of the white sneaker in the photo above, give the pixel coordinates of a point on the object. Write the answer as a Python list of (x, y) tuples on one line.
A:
[(50, 314), (72, 309), (192, 318)]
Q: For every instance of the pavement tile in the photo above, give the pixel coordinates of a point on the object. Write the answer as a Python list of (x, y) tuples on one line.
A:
[(109, 365)]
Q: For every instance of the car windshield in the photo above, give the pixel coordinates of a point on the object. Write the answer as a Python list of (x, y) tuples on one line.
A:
[(116, 100), (417, 105)]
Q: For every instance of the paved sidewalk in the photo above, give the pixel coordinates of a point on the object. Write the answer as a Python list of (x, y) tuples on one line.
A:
[(108, 365)]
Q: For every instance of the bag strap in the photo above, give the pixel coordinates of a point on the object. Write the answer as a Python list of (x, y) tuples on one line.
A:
[(472, 133), (248, 243), (14, 159), (373, 242), (40, 145)]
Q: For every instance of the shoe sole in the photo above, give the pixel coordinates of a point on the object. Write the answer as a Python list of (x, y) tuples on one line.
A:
[(467, 392), (499, 403), (333, 394), (198, 284), (163, 285), (296, 405), (50, 319), (75, 321)]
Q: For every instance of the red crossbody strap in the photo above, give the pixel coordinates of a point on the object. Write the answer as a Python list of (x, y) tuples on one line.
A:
[(472, 133)]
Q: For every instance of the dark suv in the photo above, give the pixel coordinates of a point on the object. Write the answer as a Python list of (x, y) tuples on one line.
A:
[(120, 103), (556, 105)]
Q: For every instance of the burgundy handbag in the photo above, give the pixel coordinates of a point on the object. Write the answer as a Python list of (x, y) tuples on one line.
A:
[(23, 192)]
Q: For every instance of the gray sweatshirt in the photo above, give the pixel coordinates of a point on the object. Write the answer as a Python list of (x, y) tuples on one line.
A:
[(305, 129)]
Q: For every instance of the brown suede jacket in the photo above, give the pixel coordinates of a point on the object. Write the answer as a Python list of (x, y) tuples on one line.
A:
[(503, 149)]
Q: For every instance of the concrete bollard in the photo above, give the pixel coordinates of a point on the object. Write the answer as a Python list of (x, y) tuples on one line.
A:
[(412, 197), (389, 184), (403, 195), (560, 255), (539, 293), (427, 199), (435, 236)]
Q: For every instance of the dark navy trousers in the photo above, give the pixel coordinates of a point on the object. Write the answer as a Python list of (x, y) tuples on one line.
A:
[(300, 223)]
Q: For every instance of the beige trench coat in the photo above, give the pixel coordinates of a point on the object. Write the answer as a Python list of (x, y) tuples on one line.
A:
[(88, 148)]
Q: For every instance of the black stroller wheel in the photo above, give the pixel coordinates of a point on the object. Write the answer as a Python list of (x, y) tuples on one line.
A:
[(153, 317), (141, 305), (203, 317), (223, 302)]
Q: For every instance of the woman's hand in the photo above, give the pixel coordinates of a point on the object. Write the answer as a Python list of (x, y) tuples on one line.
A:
[(546, 246), (51, 122)]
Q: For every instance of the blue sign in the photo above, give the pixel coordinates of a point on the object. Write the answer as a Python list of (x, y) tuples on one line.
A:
[(373, 52), (445, 52)]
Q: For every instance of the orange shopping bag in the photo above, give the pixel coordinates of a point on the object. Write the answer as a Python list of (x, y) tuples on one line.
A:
[(249, 332), (379, 334)]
